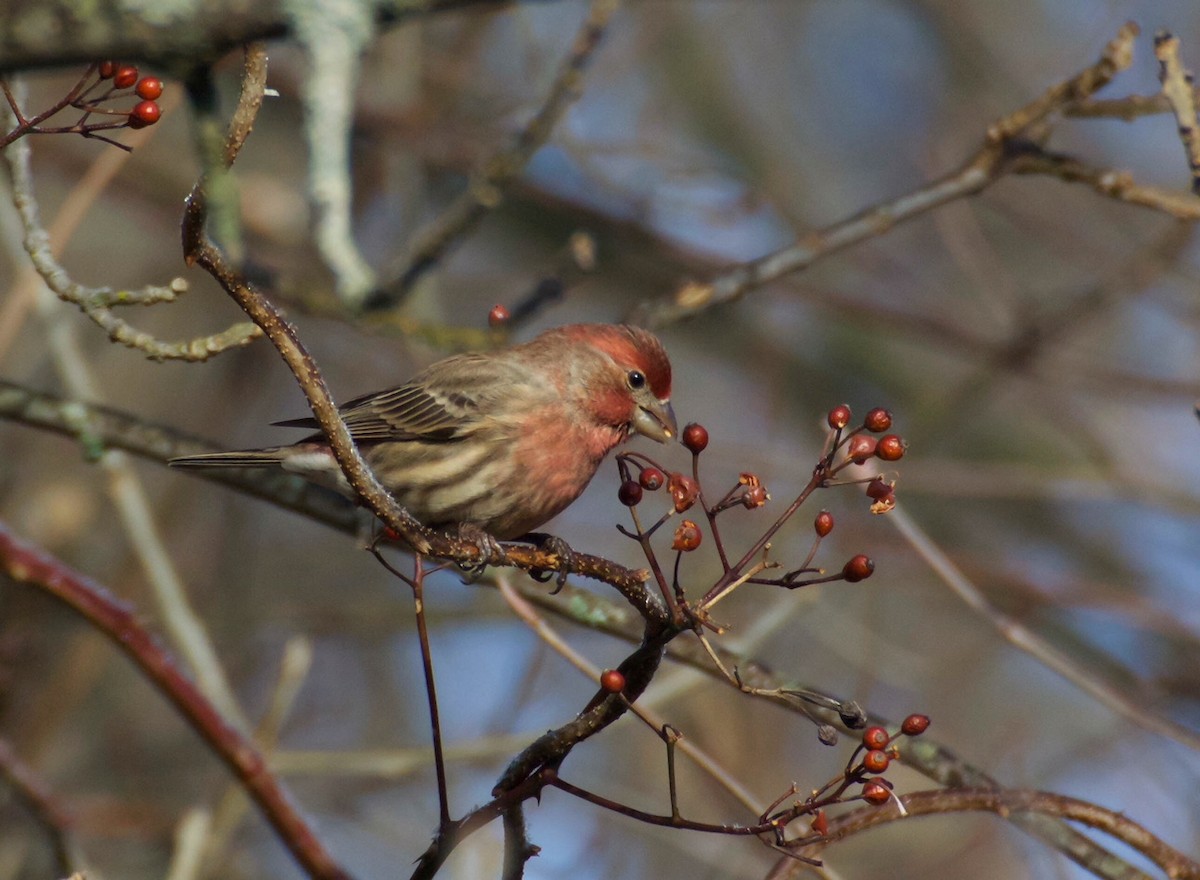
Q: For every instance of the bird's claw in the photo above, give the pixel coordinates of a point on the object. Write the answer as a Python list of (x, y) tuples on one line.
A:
[(560, 548), (489, 547)]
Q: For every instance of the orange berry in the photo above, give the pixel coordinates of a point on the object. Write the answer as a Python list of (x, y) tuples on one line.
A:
[(612, 681), (149, 88), (687, 537), (823, 523), (125, 76), (915, 725), (143, 114)]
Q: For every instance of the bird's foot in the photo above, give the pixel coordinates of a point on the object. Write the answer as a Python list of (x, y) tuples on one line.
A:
[(550, 544), (488, 545)]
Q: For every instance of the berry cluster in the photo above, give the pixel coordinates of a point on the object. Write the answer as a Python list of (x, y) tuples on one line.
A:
[(94, 94), (845, 448)]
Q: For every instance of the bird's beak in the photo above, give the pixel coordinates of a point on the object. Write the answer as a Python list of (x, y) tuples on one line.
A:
[(656, 421)]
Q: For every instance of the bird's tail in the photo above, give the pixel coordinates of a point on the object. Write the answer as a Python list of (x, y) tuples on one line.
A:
[(238, 459)]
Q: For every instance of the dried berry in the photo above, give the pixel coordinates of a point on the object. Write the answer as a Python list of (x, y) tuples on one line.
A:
[(915, 725), (684, 491), (687, 537), (823, 523)]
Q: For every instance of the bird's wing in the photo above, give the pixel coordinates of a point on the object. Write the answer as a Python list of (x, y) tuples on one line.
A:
[(440, 404)]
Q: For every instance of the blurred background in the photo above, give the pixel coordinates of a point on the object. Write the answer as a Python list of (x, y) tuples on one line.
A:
[(1037, 345)]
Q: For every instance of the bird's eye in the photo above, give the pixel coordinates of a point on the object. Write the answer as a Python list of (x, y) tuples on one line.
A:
[(636, 379)]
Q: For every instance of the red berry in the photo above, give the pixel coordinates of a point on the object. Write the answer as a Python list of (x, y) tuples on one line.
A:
[(687, 537), (876, 793), (878, 420), (891, 448), (839, 416), (125, 76), (876, 761), (149, 88), (695, 438), (876, 737), (612, 681), (630, 493), (820, 823), (652, 478), (823, 523), (498, 316), (106, 69), (859, 568), (915, 725), (860, 448), (684, 491), (143, 114)]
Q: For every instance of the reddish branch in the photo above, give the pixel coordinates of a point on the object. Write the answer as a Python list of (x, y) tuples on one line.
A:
[(1004, 802), (118, 621)]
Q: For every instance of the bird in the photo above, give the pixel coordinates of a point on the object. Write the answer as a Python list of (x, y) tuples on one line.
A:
[(494, 443)]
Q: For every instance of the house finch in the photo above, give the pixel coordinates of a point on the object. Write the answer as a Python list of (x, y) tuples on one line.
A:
[(498, 441)]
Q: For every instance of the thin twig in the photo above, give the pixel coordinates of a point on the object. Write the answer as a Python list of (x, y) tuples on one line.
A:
[(486, 188), (119, 622), (989, 163), (1177, 88)]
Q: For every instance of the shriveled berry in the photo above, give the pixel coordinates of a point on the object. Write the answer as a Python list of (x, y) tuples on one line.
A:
[(860, 448), (756, 496), (106, 69), (823, 523), (125, 76), (694, 437), (143, 114), (891, 447), (876, 793), (687, 537), (149, 88), (652, 478), (915, 725), (498, 316), (630, 493), (684, 491), (877, 489), (876, 737), (820, 823), (878, 420), (839, 416), (876, 761), (858, 568), (612, 681)]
